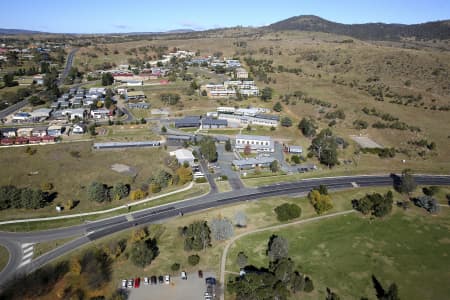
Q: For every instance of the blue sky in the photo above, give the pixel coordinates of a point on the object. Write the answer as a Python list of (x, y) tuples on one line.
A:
[(102, 16)]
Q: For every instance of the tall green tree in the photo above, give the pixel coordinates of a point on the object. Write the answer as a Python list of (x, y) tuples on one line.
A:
[(277, 248), (107, 79), (208, 149), (97, 192), (277, 107), (407, 182), (324, 147), (144, 252), (307, 127)]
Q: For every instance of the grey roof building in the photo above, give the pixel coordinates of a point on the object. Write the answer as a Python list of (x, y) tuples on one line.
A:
[(189, 121)]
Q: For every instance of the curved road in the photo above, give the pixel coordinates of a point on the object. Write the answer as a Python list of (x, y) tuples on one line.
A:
[(98, 229)]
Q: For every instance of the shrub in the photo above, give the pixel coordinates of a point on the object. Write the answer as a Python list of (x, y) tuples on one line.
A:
[(193, 260), (287, 211), (137, 194), (175, 267)]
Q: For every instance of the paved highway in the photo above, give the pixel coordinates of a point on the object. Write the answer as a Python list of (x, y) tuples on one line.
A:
[(98, 229)]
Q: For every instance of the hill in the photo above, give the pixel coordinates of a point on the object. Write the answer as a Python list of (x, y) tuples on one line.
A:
[(368, 31), (8, 31)]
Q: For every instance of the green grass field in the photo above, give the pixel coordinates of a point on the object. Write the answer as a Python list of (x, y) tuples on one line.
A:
[(4, 257), (344, 252), (71, 168)]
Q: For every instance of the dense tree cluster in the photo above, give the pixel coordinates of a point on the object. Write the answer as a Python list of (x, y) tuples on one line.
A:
[(197, 236), (279, 281), (170, 98), (143, 252), (13, 197), (376, 204), (287, 211), (324, 147)]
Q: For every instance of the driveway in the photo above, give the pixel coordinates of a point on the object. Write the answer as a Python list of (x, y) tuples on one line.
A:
[(178, 289), (224, 162)]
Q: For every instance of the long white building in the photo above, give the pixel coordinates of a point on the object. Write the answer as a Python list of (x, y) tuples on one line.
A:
[(257, 143)]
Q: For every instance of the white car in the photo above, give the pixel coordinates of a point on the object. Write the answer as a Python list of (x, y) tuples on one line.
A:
[(124, 283), (183, 275), (167, 279), (146, 281)]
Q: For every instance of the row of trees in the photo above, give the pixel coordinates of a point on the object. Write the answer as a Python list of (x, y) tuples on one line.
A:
[(13, 197), (100, 192)]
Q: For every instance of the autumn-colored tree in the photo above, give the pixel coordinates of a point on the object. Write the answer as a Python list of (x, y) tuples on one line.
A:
[(75, 266), (139, 234), (321, 203), (137, 194), (185, 174), (69, 204)]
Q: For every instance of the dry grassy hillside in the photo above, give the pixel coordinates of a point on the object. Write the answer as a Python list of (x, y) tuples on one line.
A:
[(412, 85)]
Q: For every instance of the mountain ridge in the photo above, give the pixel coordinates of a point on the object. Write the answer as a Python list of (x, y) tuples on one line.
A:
[(366, 31)]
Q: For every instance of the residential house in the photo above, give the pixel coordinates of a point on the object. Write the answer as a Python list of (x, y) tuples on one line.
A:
[(241, 73), (21, 117), (133, 82), (55, 130), (79, 128), (183, 155), (8, 132), (41, 114), (135, 95), (295, 149), (39, 131), (24, 132), (256, 143), (100, 113), (75, 113)]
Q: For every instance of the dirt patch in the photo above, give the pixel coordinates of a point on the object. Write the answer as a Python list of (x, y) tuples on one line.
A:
[(365, 142), (123, 169)]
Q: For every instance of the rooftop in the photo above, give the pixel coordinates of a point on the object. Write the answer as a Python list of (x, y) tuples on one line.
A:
[(253, 137)]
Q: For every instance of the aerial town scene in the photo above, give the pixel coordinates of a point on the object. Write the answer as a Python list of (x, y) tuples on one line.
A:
[(250, 150)]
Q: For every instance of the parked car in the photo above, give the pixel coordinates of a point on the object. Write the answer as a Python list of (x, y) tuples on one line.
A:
[(146, 281), (200, 273), (124, 283), (167, 279), (130, 283), (210, 280), (153, 280), (137, 282), (160, 279), (183, 275)]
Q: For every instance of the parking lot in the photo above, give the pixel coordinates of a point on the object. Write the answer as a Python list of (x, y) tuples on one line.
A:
[(178, 289)]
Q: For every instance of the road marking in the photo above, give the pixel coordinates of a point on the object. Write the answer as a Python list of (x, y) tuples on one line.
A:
[(90, 232), (28, 255), (354, 184), (24, 263), (130, 217), (30, 249), (26, 245)]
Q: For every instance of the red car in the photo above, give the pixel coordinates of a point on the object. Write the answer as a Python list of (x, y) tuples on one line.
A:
[(137, 282)]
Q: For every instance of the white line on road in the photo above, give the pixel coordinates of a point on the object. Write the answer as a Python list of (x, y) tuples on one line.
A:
[(354, 184), (27, 256), (24, 263), (26, 245), (26, 250)]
